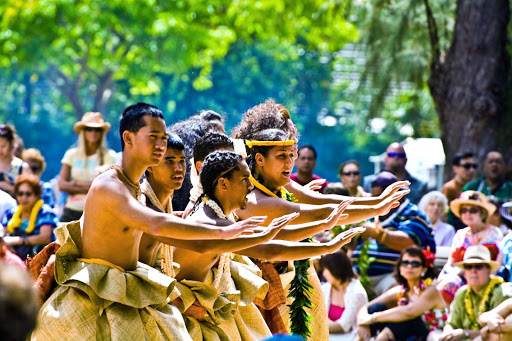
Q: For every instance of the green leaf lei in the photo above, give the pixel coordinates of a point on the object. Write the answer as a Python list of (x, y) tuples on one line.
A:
[(301, 291)]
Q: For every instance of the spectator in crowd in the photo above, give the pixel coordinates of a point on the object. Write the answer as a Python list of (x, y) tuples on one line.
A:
[(402, 227), (483, 292), (305, 164), (6, 256), (344, 295), (473, 208), (506, 243), (190, 131), (10, 165), (493, 182), (37, 164), (6, 203), (80, 165), (395, 162), (464, 167), (18, 305), (336, 188), (435, 204), (413, 309), (30, 225), (497, 323), (496, 219), (19, 146), (350, 175)]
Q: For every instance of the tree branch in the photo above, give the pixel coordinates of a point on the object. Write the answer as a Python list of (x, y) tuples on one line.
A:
[(433, 32)]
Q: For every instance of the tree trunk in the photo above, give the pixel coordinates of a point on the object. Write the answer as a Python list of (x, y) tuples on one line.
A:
[(469, 85)]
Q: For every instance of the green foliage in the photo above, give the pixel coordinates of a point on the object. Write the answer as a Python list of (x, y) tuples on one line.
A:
[(85, 47), (301, 290)]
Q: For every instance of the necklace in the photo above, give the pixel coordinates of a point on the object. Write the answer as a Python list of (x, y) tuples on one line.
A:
[(473, 316), (416, 291), (167, 250), (123, 177), (300, 288), (223, 270)]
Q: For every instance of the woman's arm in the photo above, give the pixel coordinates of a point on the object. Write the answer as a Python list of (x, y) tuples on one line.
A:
[(304, 195), (281, 250), (302, 231), (429, 299), (44, 237), (389, 299), (68, 185), (231, 245)]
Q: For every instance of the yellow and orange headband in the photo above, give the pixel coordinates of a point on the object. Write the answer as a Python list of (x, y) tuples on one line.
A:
[(252, 143)]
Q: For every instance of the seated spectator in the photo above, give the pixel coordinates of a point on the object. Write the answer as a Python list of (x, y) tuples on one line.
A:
[(395, 162), (506, 243), (410, 311), (18, 307), (493, 182), (497, 323), (350, 175), (483, 292), (402, 227), (6, 203), (344, 295), (496, 219), (37, 164), (29, 227), (305, 165), (473, 208), (336, 188), (10, 165), (435, 204), (6, 256)]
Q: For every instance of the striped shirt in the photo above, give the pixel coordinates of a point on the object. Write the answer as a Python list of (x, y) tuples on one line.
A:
[(408, 219)]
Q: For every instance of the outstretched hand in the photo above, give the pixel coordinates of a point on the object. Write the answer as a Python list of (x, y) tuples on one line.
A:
[(392, 201), (278, 223), (391, 189), (245, 227), (315, 184), (337, 214), (344, 238)]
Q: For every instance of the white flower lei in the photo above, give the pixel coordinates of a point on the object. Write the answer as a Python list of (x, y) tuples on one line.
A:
[(225, 258)]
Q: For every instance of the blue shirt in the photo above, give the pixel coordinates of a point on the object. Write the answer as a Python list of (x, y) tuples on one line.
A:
[(408, 219), (46, 216)]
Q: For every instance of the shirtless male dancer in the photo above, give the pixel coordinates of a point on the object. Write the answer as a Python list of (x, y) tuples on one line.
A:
[(103, 292)]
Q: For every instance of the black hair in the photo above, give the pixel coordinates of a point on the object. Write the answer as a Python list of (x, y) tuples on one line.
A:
[(349, 162), (460, 156), (339, 265), (133, 118), (8, 132), (264, 135), (174, 141), (310, 147), (209, 115), (211, 142), (413, 251), (219, 164)]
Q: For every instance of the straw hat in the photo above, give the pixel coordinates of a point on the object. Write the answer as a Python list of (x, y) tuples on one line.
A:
[(478, 254), (92, 120), (472, 198)]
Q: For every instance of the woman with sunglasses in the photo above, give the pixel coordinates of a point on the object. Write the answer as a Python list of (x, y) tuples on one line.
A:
[(10, 165), (413, 310), (29, 226), (81, 164), (350, 176), (473, 208), (344, 295)]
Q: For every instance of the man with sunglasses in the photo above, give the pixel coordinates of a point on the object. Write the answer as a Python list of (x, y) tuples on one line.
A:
[(395, 162), (305, 164), (493, 182), (483, 292), (464, 167)]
